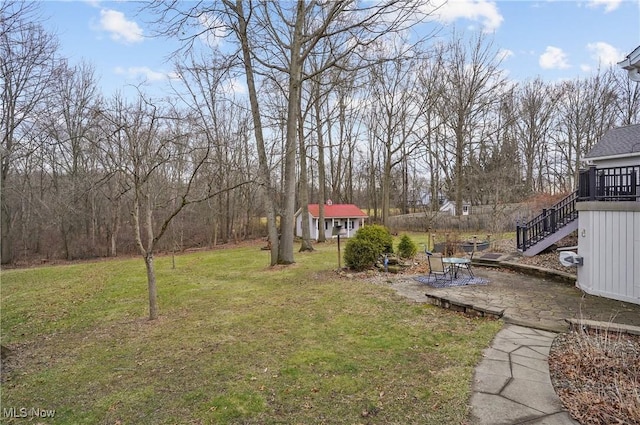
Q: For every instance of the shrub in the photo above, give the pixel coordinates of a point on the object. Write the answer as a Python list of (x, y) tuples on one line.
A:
[(360, 254), (407, 248), (379, 236)]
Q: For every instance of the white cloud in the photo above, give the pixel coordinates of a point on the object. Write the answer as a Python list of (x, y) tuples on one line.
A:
[(604, 53), (119, 27), (144, 73), (216, 29), (554, 58), (235, 86), (484, 11), (609, 5), (505, 54)]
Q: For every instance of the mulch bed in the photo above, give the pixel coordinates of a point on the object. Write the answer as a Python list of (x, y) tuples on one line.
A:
[(596, 374)]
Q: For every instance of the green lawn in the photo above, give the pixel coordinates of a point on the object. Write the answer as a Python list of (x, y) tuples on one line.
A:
[(236, 343)]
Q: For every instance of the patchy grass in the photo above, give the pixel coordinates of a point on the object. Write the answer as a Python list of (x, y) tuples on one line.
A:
[(236, 342)]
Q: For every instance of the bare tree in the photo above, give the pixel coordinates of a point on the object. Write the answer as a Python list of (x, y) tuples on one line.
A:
[(322, 180), (434, 150), (153, 150), (303, 187), (629, 98), (279, 37), (344, 117), (27, 55), (472, 86), (69, 125), (396, 110), (586, 111), (535, 104), (220, 118), (112, 154)]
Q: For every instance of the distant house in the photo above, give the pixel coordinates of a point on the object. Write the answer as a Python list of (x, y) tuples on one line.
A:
[(447, 206), (349, 216), (450, 207), (423, 199)]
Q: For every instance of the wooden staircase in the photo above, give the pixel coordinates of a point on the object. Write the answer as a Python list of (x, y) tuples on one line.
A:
[(549, 227)]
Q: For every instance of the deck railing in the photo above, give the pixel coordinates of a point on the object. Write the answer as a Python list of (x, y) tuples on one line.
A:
[(595, 184), (609, 184)]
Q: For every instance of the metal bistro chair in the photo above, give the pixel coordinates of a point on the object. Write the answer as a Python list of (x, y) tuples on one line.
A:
[(437, 269), (467, 266)]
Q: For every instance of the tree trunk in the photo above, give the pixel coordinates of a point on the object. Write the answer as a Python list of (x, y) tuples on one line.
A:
[(304, 193), (386, 187), (293, 109), (405, 181), (5, 241), (116, 229), (321, 171), (151, 282), (373, 193), (263, 162), (147, 252), (458, 172)]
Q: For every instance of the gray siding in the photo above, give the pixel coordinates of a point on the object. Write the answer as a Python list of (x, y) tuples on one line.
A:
[(609, 242)]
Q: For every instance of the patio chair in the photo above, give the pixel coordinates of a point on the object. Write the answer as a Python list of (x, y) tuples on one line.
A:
[(437, 268), (467, 266)]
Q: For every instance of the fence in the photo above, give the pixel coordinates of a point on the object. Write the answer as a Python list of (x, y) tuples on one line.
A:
[(501, 218)]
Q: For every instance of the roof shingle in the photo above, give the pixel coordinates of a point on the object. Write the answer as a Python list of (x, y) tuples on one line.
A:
[(617, 141), (337, 211)]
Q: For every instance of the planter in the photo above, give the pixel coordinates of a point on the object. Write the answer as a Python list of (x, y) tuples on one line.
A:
[(466, 246), (439, 247), (480, 246)]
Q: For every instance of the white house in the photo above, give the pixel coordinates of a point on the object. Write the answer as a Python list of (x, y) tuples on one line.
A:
[(609, 217), (605, 211), (632, 64), (450, 207), (349, 216)]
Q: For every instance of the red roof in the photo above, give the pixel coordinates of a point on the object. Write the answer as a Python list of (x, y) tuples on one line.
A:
[(337, 211)]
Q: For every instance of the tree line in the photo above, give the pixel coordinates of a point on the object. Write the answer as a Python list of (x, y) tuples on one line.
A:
[(344, 102)]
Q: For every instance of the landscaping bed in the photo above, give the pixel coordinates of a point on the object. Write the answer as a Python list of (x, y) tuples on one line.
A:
[(596, 374)]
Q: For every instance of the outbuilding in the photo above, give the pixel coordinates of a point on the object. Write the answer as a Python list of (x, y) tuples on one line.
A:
[(349, 216)]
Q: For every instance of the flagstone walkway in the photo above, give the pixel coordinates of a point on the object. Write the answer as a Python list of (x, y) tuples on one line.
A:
[(512, 383)]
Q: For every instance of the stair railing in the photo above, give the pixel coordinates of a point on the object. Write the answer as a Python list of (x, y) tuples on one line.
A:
[(594, 184), (550, 221)]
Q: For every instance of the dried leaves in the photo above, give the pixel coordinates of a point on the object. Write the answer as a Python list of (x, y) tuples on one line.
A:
[(597, 376)]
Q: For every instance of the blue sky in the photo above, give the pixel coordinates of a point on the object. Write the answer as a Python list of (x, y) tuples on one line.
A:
[(547, 38)]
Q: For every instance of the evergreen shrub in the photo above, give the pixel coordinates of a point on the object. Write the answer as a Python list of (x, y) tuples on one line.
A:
[(360, 254), (407, 248), (378, 235), (364, 249)]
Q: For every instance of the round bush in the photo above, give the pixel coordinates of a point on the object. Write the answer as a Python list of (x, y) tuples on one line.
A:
[(360, 254), (379, 236), (407, 248)]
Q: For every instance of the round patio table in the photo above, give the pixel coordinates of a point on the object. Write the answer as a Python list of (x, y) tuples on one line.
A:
[(456, 263)]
